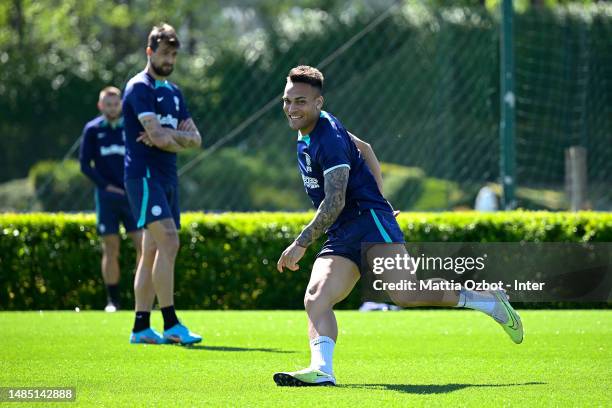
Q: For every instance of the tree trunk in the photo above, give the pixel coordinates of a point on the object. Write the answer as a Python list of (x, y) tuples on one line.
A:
[(17, 21)]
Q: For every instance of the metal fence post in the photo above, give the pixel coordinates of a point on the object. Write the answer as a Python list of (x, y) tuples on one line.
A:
[(508, 106)]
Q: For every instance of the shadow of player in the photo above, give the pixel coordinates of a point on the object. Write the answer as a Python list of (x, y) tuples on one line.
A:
[(237, 349), (431, 388)]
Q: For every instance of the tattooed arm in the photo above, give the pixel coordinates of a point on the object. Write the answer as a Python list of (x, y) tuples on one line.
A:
[(330, 208), (188, 135), (167, 139)]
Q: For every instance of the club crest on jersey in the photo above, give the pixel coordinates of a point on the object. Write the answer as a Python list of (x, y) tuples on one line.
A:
[(101, 135), (168, 120), (310, 182), (308, 162), (176, 103)]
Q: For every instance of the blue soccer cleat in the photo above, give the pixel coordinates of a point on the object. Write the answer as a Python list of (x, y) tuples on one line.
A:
[(147, 336), (181, 335)]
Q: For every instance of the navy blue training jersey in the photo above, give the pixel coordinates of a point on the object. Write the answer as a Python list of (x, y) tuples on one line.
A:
[(144, 95), (326, 148), (105, 146)]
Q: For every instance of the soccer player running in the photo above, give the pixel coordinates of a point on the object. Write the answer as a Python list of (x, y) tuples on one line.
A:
[(157, 125), (342, 178), (103, 143)]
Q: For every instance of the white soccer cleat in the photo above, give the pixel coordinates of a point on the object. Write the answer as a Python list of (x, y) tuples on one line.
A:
[(110, 308), (304, 378), (507, 317)]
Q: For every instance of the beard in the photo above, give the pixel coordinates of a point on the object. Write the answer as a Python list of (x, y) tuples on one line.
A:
[(297, 124), (162, 70), (113, 117), (293, 125)]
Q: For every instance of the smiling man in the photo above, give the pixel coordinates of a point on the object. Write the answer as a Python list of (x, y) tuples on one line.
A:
[(342, 178), (157, 125)]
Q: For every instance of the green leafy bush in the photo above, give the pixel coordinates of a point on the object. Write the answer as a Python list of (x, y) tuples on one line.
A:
[(402, 185), (228, 261), (17, 195), (60, 186), (263, 187)]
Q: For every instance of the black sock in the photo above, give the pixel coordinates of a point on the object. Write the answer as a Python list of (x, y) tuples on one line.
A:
[(142, 321), (113, 294), (169, 315)]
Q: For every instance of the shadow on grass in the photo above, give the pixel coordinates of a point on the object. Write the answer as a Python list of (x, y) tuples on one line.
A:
[(431, 388), (236, 349)]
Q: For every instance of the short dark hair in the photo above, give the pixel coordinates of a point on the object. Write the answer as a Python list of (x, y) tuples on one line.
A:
[(110, 90), (307, 75), (163, 33)]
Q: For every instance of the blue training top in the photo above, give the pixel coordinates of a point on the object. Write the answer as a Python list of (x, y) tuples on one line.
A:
[(105, 146), (326, 148), (144, 95)]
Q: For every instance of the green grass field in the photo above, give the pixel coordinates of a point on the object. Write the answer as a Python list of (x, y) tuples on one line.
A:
[(422, 358)]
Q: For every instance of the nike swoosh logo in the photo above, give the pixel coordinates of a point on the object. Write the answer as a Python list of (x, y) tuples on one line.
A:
[(160, 99), (514, 325)]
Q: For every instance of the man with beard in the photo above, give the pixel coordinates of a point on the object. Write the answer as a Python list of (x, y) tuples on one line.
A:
[(158, 125), (103, 143)]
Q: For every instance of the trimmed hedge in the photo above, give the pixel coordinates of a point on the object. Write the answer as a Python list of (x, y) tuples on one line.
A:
[(228, 261)]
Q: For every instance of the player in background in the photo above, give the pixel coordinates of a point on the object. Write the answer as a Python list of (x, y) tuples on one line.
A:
[(157, 125), (351, 210), (103, 144)]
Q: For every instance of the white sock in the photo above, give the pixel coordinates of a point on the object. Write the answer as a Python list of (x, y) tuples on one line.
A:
[(321, 353), (483, 301)]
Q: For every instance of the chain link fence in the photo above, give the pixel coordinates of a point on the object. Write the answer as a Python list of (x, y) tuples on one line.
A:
[(420, 84)]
